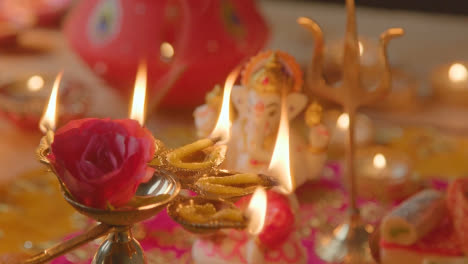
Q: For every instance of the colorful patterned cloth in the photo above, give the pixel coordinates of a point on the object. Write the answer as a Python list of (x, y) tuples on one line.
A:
[(322, 205)]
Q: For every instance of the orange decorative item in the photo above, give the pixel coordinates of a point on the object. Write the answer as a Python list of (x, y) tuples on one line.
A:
[(189, 45)]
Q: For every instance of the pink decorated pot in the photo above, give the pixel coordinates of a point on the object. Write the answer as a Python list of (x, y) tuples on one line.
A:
[(189, 45)]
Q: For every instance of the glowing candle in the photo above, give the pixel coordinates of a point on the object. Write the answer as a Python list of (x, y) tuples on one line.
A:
[(338, 125), (380, 162), (450, 83), (343, 121), (458, 73), (256, 211), (223, 125), (382, 171), (139, 94), (280, 165), (48, 120)]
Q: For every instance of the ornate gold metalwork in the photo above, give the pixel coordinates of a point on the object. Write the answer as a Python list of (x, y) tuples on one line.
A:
[(182, 167), (200, 215), (198, 156), (77, 241), (44, 145), (228, 185), (352, 95)]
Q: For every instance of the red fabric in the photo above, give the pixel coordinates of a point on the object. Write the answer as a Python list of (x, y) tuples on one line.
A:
[(210, 37)]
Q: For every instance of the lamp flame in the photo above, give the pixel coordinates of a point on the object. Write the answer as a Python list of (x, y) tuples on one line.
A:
[(343, 121), (256, 211), (458, 72), (380, 161), (280, 165), (139, 93), (223, 125), (48, 119)]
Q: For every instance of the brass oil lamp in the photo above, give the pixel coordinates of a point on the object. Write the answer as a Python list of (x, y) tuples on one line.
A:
[(194, 166)]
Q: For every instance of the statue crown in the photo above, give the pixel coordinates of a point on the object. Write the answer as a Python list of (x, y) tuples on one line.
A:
[(271, 77)]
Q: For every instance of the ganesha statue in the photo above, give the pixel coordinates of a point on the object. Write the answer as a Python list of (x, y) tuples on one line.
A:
[(257, 104)]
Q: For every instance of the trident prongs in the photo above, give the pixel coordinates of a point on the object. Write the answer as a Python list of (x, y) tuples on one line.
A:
[(351, 95)]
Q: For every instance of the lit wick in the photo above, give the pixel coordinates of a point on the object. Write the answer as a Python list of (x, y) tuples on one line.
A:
[(223, 125), (48, 119), (220, 135), (280, 165), (139, 93), (256, 211)]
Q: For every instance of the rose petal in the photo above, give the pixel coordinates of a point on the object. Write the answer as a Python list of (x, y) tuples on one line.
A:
[(102, 161)]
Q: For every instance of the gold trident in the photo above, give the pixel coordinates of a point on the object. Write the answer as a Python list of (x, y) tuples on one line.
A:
[(351, 95)]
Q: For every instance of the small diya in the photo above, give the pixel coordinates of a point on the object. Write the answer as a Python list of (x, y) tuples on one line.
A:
[(403, 95), (384, 174), (22, 100), (450, 83), (338, 124)]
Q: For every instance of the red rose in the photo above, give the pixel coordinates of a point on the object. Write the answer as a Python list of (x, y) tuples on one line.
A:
[(279, 220), (102, 161)]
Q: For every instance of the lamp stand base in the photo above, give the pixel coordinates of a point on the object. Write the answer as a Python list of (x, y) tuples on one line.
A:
[(347, 243), (120, 247)]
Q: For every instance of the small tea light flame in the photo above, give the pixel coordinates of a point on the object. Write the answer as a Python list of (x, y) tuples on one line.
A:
[(380, 161), (139, 94), (35, 83), (361, 48), (167, 50), (343, 121), (48, 119), (280, 165), (256, 211), (458, 72), (223, 125)]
